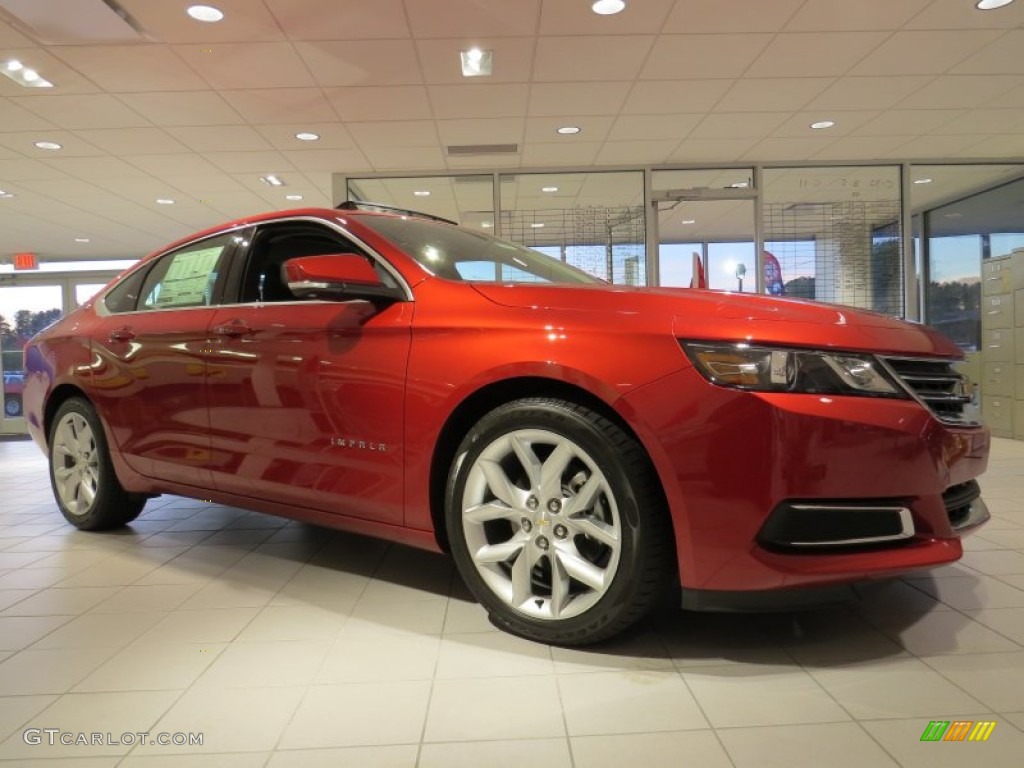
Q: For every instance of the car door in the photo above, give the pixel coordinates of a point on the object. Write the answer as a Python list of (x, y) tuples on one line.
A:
[(149, 378), (307, 397)]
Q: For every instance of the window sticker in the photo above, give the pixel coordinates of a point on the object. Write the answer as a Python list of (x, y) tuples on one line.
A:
[(189, 279)]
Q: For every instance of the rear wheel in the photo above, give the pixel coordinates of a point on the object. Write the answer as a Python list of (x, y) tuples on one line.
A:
[(12, 406), (556, 524), (87, 490)]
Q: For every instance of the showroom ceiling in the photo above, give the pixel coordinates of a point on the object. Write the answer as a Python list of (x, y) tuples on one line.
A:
[(165, 107)]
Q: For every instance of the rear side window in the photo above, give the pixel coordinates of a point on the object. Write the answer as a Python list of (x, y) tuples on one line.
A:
[(189, 277)]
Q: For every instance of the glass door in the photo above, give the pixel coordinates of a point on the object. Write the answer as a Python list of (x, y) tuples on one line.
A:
[(24, 311)]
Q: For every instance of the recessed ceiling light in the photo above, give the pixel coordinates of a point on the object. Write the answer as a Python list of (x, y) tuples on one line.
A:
[(549, 189), (486, 224), (50, 145), (922, 181), (688, 221), (954, 216), (293, 197), (568, 130), (476, 63), (991, 5), (24, 76), (307, 136), (608, 7), (740, 185), (5, 195), (205, 13), (537, 224), (422, 192), (823, 124), (272, 180), (81, 239), (164, 201)]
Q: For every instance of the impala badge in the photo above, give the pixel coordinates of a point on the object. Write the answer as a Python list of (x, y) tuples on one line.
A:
[(361, 445)]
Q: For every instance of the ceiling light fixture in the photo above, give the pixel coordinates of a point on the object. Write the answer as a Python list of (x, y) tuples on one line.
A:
[(24, 76), (486, 224), (476, 62), (569, 130), (922, 181), (537, 224), (740, 185), (206, 13), (608, 7), (307, 136), (293, 197), (688, 221), (53, 146), (164, 201), (272, 180), (549, 189), (991, 5), (4, 195), (421, 192), (82, 240), (822, 124)]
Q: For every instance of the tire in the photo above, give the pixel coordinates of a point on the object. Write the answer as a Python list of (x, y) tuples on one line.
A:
[(556, 523), (84, 484), (12, 406)]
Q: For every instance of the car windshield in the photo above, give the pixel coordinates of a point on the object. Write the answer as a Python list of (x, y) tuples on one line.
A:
[(461, 254)]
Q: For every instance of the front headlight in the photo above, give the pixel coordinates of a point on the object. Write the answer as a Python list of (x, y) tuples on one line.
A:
[(774, 369)]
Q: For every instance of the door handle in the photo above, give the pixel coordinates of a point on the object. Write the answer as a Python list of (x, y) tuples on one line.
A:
[(234, 329), (122, 334)]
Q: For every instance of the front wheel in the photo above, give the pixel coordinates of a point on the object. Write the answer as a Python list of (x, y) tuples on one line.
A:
[(556, 524), (82, 475), (12, 406)]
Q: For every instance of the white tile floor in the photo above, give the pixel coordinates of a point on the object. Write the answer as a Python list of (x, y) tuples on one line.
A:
[(287, 645)]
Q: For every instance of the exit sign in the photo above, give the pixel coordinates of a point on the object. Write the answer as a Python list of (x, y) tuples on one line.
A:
[(25, 261)]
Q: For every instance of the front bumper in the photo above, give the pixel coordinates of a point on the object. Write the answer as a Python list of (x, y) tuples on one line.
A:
[(727, 459)]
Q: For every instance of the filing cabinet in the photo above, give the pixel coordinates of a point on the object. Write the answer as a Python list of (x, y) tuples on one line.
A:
[(1002, 344)]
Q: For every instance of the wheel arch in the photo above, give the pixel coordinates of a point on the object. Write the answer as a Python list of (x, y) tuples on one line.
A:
[(487, 398), (58, 397)]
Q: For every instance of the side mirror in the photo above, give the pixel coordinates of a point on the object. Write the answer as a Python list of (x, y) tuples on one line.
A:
[(337, 276)]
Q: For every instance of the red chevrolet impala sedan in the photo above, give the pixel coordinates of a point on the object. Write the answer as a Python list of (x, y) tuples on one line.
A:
[(580, 448)]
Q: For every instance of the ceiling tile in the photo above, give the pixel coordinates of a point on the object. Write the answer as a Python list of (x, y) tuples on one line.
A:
[(333, 20), (367, 103), (657, 97), (83, 110), (262, 106), (711, 150), (1008, 145), (560, 153), (772, 94), (653, 127), (512, 59), (458, 101), (206, 185), (868, 92), (9, 38), (787, 150), (923, 53), (987, 121), (384, 135), (1013, 98), (160, 166), (543, 130), (845, 123), (224, 138), (955, 91), (1002, 57), (576, 98), (183, 108), (167, 22), (686, 57), (860, 148), (335, 160), (742, 16), (561, 18), (952, 14), (14, 116), (933, 147), (229, 66), (132, 68), (899, 122), (95, 168), (118, 141), (492, 131), (404, 159), (746, 125), (842, 15), (635, 152), (365, 62), (590, 58), (72, 145), (484, 18), (796, 54), (282, 136), (23, 169), (484, 161), (257, 163)]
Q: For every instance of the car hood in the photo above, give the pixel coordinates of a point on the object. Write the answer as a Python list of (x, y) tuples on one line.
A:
[(710, 315)]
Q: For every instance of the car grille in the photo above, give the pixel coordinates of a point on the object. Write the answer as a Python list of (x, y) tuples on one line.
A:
[(937, 385)]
